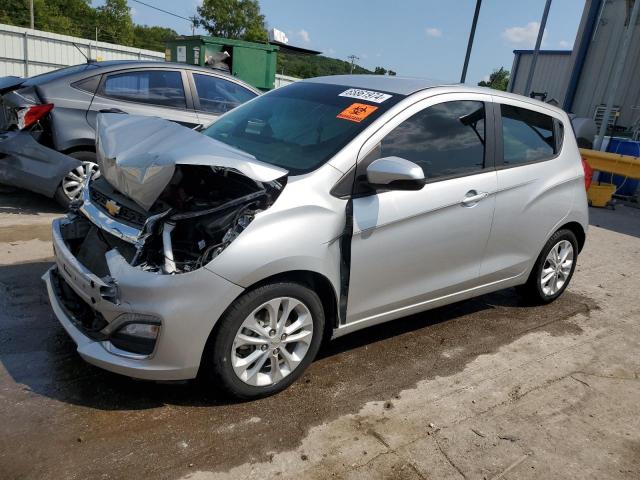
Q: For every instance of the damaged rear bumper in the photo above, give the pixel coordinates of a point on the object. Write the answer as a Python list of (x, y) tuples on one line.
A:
[(27, 164), (186, 307)]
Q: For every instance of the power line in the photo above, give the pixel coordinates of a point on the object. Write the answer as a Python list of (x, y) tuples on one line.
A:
[(190, 20)]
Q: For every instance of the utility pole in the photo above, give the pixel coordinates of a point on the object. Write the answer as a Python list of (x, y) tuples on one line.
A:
[(194, 25), (31, 14), (536, 50), (472, 34), (618, 68), (353, 59)]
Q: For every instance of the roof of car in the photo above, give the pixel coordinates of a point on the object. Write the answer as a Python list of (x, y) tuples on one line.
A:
[(410, 85), (385, 83), (152, 63), (93, 68)]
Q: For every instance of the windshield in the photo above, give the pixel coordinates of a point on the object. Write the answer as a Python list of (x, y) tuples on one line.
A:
[(301, 126)]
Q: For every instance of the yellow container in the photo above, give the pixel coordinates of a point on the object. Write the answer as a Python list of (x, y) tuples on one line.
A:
[(600, 195)]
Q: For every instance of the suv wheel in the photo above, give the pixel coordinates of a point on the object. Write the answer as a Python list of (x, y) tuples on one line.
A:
[(71, 184), (266, 340), (553, 269)]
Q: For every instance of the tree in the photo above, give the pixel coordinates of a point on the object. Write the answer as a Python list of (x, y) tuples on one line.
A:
[(305, 66), (391, 73), (498, 80), (152, 38), (68, 17), (114, 22), (234, 19), (380, 71)]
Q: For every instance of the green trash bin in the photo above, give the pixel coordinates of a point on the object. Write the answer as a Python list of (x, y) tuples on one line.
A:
[(255, 63)]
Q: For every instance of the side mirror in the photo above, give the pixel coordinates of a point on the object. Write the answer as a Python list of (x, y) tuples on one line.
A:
[(395, 173)]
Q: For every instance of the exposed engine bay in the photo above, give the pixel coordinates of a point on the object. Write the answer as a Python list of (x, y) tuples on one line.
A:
[(184, 205), (202, 210), (200, 213)]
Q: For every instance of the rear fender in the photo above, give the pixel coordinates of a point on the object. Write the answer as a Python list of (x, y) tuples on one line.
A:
[(25, 163)]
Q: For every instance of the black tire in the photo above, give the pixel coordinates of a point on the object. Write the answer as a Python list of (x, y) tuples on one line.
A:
[(532, 290), (216, 362), (84, 156)]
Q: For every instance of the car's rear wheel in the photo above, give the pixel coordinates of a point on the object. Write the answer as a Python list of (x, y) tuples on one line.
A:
[(71, 184), (265, 341), (553, 269)]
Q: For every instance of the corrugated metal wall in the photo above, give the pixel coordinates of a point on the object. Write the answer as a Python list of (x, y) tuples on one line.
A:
[(599, 63), (26, 52), (553, 70), (595, 76)]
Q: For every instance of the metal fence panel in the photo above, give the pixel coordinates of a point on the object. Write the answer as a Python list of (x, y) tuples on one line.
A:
[(25, 52)]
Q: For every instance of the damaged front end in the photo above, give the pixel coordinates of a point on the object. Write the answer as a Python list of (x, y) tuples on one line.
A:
[(170, 200)]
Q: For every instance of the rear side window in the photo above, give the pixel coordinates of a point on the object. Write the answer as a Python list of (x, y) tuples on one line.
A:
[(88, 84), (445, 140), (218, 95), (156, 87), (528, 136)]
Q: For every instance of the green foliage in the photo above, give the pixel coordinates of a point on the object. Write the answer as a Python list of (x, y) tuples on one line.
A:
[(305, 66), (380, 71), (69, 17), (498, 80), (114, 18), (235, 19), (152, 38)]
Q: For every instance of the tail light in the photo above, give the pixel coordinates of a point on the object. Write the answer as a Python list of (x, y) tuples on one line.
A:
[(27, 116), (588, 173)]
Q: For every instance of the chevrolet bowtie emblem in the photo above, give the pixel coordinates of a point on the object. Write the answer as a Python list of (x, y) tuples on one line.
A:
[(112, 207)]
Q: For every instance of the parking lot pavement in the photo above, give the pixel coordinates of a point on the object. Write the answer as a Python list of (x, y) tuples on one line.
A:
[(487, 388)]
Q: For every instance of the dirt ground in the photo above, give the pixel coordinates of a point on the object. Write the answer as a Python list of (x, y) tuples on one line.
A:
[(487, 388)]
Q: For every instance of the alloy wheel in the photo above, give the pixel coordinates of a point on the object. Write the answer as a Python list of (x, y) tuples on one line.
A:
[(557, 268), (73, 181), (272, 341)]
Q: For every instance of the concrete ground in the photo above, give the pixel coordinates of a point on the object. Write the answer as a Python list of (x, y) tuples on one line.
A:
[(487, 388)]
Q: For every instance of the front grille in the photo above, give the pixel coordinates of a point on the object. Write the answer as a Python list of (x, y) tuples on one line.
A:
[(86, 319), (126, 214)]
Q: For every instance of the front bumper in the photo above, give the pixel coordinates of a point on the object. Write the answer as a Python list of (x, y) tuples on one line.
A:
[(188, 306), (27, 164)]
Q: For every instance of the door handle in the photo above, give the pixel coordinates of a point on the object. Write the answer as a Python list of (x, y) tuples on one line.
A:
[(111, 110), (472, 197)]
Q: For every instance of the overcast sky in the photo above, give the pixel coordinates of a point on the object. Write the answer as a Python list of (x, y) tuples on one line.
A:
[(421, 38)]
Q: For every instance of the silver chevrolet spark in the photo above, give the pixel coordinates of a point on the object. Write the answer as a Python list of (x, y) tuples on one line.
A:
[(318, 209)]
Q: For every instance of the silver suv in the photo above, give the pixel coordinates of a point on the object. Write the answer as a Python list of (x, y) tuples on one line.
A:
[(318, 209)]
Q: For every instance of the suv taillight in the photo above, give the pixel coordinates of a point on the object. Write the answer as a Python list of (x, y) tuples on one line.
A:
[(27, 116), (588, 173)]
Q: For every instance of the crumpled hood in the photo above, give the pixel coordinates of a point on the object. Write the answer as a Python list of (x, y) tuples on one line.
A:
[(138, 155)]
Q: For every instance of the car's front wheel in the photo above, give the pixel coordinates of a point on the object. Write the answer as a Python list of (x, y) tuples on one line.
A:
[(553, 269), (265, 340), (71, 184)]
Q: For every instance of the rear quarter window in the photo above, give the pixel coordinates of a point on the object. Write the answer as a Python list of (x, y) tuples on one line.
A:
[(88, 84), (528, 136)]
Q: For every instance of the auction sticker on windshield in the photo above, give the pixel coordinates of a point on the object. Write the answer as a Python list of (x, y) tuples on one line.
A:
[(356, 112), (368, 95)]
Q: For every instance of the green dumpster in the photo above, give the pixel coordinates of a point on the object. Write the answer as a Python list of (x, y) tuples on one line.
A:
[(255, 63)]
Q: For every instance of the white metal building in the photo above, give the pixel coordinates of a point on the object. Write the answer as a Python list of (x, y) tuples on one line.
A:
[(579, 79)]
